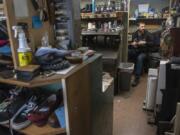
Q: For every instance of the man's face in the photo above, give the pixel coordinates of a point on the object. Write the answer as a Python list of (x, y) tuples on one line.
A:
[(141, 27)]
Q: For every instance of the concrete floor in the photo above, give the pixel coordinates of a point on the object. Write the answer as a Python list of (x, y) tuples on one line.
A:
[(129, 118)]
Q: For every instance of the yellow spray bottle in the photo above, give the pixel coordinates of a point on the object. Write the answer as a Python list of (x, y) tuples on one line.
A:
[(24, 51)]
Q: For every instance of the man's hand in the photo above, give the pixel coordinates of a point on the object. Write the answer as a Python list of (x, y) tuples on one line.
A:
[(134, 44), (141, 42)]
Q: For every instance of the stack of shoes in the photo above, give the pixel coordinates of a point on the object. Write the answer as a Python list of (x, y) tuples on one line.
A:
[(9, 106), (39, 116), (21, 107)]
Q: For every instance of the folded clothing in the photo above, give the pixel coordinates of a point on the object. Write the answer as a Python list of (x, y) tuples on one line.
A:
[(57, 52), (52, 58), (3, 42), (5, 50)]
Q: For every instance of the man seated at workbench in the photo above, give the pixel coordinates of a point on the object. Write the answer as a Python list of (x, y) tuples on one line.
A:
[(137, 51)]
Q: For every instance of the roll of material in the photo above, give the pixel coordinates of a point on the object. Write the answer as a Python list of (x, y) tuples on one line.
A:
[(151, 93)]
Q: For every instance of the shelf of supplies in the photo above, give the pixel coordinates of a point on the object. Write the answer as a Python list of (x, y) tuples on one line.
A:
[(148, 20), (1, 6), (99, 33), (100, 16)]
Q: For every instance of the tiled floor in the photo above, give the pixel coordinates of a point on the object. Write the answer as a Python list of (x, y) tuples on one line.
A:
[(129, 118)]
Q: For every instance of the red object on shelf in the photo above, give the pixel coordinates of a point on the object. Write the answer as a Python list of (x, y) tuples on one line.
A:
[(3, 42)]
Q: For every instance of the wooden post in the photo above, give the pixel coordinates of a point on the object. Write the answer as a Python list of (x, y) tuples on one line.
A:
[(11, 21)]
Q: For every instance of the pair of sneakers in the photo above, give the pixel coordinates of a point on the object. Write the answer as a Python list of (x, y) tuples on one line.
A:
[(37, 110), (40, 115)]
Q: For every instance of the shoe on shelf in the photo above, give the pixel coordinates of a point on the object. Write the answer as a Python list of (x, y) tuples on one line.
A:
[(20, 121), (40, 114), (8, 108), (135, 82)]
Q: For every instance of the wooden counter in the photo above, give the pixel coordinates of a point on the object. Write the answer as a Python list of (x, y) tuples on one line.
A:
[(39, 81), (84, 101)]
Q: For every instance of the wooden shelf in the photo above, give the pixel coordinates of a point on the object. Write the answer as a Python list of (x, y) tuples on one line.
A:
[(39, 81), (35, 130), (99, 19), (45, 130), (101, 16), (147, 20), (5, 61), (99, 33)]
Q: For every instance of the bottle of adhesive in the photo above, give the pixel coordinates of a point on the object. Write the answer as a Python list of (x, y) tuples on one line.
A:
[(24, 52)]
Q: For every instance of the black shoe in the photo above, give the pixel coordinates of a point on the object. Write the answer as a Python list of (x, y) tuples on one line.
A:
[(20, 120), (135, 82), (10, 106)]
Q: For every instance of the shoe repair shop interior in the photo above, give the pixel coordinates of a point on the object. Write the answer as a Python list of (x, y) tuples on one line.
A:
[(89, 67)]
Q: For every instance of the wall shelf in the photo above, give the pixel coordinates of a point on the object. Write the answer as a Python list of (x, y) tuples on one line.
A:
[(147, 20), (46, 130), (101, 16)]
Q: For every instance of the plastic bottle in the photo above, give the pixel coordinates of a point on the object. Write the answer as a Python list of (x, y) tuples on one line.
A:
[(24, 52)]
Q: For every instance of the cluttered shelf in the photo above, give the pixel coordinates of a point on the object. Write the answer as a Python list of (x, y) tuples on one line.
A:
[(147, 20), (56, 77), (100, 16), (100, 33)]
